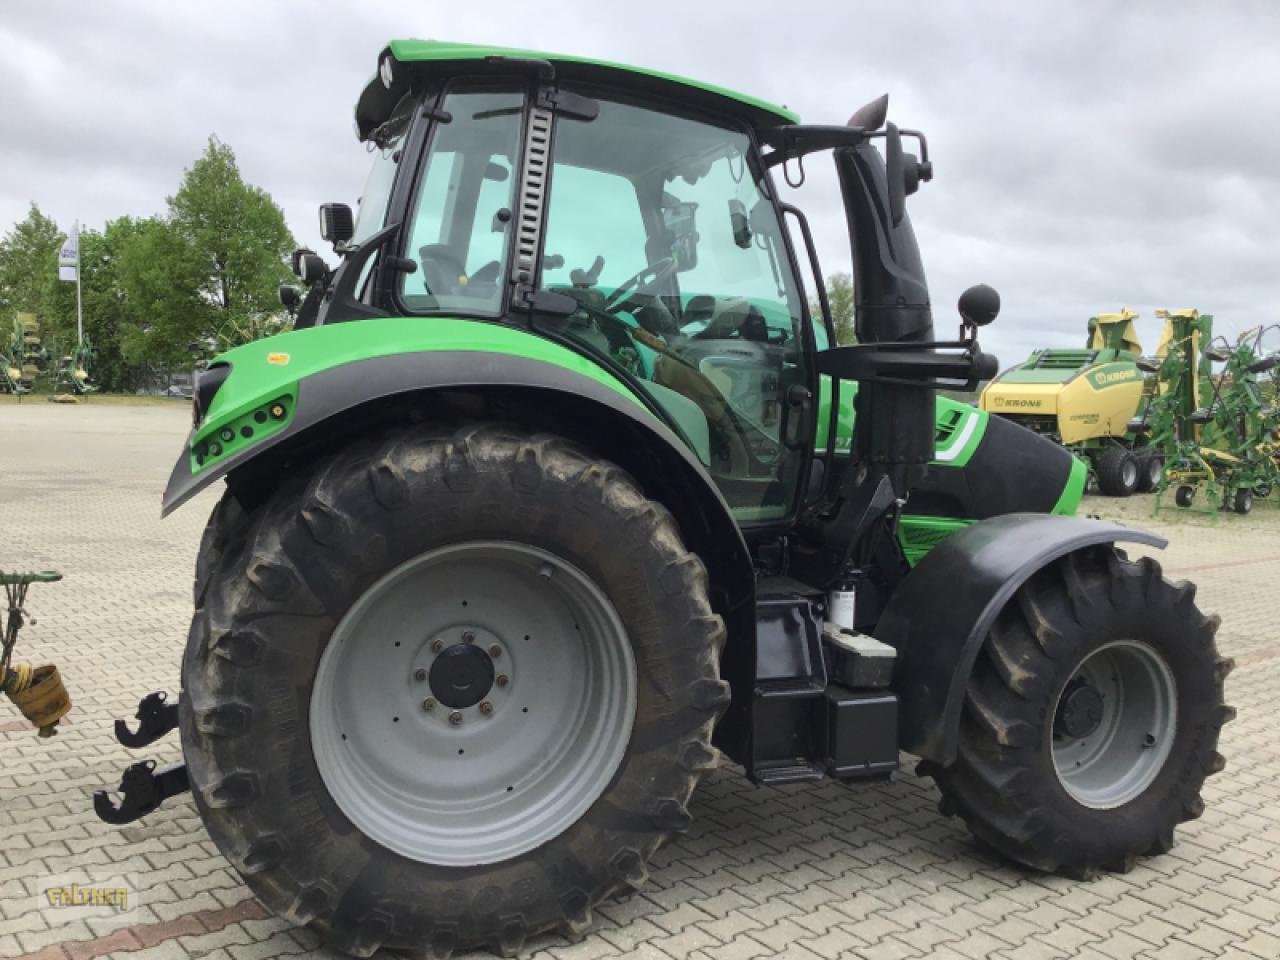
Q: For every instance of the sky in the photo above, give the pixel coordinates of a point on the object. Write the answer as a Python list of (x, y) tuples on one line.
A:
[(1088, 155)]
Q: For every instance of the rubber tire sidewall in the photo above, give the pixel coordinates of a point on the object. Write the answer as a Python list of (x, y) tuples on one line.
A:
[(309, 553), (1010, 794), (1109, 466)]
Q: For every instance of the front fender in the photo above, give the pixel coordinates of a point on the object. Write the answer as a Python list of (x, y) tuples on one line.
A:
[(940, 615), (322, 371)]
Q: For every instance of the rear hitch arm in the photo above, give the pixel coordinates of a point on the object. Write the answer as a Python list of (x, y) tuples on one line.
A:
[(156, 717), (142, 789)]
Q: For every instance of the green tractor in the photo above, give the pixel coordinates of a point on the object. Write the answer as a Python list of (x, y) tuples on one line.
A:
[(559, 492)]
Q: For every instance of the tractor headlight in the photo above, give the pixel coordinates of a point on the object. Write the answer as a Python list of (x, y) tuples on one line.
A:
[(207, 383)]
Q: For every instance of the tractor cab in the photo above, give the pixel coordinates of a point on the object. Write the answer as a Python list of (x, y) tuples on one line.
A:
[(631, 217)]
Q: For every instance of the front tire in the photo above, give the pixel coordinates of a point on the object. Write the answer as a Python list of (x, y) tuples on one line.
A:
[(1093, 648), (549, 560)]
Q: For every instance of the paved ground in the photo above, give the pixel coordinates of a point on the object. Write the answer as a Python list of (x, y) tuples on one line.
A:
[(824, 872)]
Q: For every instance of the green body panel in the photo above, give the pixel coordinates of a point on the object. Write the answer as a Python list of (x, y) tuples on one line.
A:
[(1073, 492), (918, 534), (266, 370), (420, 51), (960, 426)]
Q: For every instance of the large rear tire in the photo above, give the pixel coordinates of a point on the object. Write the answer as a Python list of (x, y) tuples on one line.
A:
[(449, 691), (1118, 471), (1091, 719)]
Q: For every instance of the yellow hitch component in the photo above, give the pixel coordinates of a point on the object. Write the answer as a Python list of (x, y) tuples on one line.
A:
[(38, 692)]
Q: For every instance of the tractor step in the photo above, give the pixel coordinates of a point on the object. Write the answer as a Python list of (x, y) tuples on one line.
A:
[(142, 789), (156, 717)]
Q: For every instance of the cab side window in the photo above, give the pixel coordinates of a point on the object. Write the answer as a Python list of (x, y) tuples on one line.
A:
[(461, 224)]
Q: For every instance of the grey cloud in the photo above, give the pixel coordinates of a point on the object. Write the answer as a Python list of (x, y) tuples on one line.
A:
[(1088, 155)]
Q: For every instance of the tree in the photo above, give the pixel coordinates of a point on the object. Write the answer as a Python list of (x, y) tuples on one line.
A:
[(840, 296), (29, 269), (236, 244)]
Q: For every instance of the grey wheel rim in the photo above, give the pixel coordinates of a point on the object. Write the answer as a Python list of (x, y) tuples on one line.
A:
[(473, 703), (1155, 471), (1129, 473), (1109, 756)]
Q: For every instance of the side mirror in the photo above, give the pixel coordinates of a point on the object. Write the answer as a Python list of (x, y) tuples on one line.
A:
[(893, 172), (1217, 356), (979, 305), (904, 170), (1147, 365), (1265, 364), (337, 225)]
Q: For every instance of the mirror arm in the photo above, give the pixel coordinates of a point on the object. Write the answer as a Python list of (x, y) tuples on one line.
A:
[(911, 364), (794, 140)]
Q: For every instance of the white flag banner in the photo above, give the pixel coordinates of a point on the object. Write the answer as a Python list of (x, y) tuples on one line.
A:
[(69, 256)]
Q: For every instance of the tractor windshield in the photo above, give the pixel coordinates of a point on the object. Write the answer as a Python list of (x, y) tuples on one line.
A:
[(663, 230)]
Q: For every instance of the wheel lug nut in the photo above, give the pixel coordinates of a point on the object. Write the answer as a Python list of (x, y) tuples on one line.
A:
[(468, 636), (501, 679), (437, 645), (495, 651), (429, 703), (455, 718), (419, 674), (486, 707)]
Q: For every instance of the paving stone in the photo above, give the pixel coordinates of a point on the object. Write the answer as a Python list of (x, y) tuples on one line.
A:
[(820, 871)]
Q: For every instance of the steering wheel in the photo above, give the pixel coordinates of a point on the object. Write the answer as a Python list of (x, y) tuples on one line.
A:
[(648, 277)]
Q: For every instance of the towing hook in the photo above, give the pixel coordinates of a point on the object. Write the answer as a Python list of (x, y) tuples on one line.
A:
[(142, 789), (156, 717)]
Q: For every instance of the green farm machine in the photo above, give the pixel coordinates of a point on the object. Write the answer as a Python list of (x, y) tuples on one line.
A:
[(1218, 432), (1087, 400), (22, 357), (559, 492)]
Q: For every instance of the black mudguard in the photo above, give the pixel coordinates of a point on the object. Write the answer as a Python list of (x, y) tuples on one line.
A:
[(940, 615)]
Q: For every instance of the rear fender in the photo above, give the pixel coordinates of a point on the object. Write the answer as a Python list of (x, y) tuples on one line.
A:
[(940, 615)]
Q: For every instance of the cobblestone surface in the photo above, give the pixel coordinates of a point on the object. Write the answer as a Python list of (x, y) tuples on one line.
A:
[(813, 872)]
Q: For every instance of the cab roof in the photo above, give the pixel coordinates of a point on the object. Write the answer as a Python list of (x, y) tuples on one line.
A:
[(440, 56)]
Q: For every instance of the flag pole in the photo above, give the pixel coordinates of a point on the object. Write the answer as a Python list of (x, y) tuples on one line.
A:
[(79, 302)]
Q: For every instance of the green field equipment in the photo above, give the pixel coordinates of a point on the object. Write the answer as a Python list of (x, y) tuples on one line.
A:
[(1086, 400), (23, 356), (1239, 440), (1218, 432), (560, 490), (72, 370)]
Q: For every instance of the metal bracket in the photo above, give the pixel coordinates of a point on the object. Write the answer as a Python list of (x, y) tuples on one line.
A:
[(142, 789), (156, 717)]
